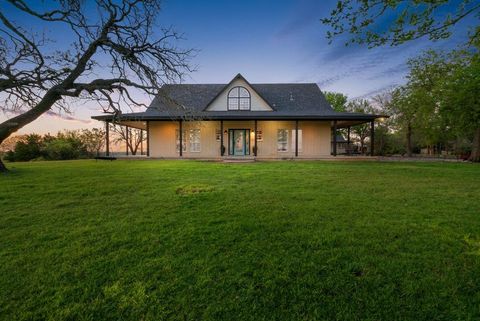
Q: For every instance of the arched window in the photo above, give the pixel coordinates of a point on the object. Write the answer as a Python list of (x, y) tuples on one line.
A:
[(238, 99)]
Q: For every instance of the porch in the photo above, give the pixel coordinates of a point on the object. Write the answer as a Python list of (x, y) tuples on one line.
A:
[(235, 139)]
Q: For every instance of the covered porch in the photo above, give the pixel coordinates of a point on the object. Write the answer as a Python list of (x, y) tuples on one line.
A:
[(300, 138)]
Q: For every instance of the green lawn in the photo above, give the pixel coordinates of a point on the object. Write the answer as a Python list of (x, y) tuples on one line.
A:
[(185, 240)]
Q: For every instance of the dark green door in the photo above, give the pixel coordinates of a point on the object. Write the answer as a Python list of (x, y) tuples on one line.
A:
[(239, 142)]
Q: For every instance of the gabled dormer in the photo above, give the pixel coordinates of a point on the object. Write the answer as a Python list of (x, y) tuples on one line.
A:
[(238, 95)]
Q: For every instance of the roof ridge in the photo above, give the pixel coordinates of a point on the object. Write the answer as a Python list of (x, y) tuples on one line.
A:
[(258, 83)]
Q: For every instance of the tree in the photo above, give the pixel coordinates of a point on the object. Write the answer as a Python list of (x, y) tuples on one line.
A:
[(403, 115), (362, 131), (440, 101), (132, 137), (66, 145), (29, 148), (116, 38), (394, 22), (93, 140), (383, 131), (459, 96), (337, 100)]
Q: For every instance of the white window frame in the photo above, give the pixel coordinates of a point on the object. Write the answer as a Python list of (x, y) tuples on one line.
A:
[(236, 99), (300, 140), (259, 134), (195, 140), (285, 143)]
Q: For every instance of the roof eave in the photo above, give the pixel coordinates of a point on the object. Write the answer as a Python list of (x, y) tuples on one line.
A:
[(237, 117)]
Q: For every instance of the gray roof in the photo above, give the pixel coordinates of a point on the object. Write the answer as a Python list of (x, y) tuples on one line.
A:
[(288, 101)]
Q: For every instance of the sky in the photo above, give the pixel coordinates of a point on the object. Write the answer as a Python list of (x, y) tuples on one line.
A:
[(266, 41)]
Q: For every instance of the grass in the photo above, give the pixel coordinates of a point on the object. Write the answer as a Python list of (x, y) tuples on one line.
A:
[(185, 240)]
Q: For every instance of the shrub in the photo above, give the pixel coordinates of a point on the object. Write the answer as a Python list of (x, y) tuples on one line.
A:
[(61, 149), (29, 148)]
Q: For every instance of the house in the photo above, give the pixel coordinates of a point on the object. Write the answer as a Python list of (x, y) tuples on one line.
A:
[(240, 120)]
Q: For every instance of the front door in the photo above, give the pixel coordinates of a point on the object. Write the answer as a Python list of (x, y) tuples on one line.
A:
[(239, 142)]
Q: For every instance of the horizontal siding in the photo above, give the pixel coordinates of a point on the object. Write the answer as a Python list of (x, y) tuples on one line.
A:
[(316, 138)]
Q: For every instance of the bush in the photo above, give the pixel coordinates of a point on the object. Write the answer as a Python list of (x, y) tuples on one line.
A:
[(29, 148), (9, 156), (65, 145), (60, 149)]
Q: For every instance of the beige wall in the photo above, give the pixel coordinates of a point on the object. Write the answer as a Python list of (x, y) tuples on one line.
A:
[(257, 103), (315, 138)]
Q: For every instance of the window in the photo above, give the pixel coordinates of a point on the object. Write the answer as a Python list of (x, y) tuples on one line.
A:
[(194, 139), (299, 140), (218, 135), (239, 99), (260, 135), (282, 140), (177, 141)]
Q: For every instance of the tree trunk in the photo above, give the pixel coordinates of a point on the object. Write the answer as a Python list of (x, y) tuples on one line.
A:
[(409, 140), (10, 126), (3, 168), (475, 156)]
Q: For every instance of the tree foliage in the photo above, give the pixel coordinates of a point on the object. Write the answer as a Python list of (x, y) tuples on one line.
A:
[(337, 100), (65, 145), (93, 140), (441, 100), (361, 132), (394, 22)]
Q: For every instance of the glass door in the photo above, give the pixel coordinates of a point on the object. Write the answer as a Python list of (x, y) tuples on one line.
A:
[(239, 142)]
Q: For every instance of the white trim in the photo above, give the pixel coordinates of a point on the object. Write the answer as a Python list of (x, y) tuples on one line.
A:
[(192, 140), (286, 143)]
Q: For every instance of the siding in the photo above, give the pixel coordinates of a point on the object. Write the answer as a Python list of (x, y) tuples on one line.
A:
[(257, 103), (316, 138)]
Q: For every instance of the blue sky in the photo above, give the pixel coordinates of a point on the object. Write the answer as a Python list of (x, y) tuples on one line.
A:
[(272, 41)]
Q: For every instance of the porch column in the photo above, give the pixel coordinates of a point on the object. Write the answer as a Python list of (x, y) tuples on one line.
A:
[(255, 137), (107, 139), (348, 141), (180, 135), (334, 138), (221, 138), (372, 137), (141, 142), (126, 139), (148, 138), (296, 138)]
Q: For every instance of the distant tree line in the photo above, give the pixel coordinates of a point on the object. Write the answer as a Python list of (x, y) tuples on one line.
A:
[(62, 146)]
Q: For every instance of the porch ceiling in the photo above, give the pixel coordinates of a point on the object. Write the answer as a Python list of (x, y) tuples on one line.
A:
[(348, 123), (133, 124)]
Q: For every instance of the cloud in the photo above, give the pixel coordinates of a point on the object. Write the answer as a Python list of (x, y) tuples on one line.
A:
[(376, 91), (68, 117), (390, 71), (331, 80)]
